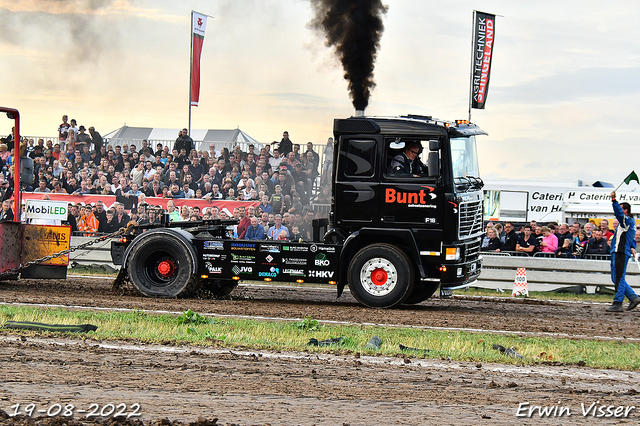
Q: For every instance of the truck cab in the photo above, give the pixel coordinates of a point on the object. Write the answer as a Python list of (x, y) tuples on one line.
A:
[(428, 216)]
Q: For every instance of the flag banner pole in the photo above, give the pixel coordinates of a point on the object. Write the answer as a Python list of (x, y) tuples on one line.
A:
[(198, 28), (632, 176), (473, 32), (482, 54), (190, 69)]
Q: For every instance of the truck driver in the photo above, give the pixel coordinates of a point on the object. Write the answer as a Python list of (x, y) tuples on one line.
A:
[(408, 162)]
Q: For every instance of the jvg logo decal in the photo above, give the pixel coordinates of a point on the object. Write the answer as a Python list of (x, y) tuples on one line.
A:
[(412, 198), (242, 270)]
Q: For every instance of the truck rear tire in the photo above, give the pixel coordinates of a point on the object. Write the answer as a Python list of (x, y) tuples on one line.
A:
[(159, 265), (380, 276)]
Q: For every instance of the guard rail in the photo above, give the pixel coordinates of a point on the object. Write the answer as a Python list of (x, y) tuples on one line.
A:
[(552, 274)]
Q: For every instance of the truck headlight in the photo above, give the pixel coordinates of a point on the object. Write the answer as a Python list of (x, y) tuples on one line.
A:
[(452, 253)]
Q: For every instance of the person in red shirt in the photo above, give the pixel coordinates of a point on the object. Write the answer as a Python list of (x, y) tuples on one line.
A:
[(56, 151), (244, 223), (604, 227)]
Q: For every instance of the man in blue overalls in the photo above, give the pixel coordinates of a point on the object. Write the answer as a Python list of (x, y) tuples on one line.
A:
[(622, 248)]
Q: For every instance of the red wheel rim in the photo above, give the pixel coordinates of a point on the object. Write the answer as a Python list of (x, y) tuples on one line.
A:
[(166, 268), (379, 276)]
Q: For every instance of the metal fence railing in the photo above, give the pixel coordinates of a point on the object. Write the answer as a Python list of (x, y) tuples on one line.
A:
[(546, 255)]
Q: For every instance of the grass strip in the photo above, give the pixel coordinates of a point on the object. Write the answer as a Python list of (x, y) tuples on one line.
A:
[(196, 329)]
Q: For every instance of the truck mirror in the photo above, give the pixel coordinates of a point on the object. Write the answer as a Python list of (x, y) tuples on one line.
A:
[(433, 162), (10, 116), (434, 145)]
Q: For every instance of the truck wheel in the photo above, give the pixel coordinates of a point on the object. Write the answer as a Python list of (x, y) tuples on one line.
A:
[(221, 288), (160, 266), (421, 292), (380, 276)]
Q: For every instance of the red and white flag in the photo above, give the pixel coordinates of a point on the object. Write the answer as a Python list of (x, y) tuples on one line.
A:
[(198, 27)]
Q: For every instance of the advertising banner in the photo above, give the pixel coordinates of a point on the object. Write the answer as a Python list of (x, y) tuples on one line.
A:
[(481, 55), (46, 209), (198, 27)]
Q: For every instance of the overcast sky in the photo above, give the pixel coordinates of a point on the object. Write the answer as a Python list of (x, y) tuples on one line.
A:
[(563, 91)]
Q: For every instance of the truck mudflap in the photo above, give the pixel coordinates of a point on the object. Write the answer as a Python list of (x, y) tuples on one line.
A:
[(459, 275)]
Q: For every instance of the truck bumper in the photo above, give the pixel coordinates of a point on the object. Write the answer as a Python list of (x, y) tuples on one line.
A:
[(459, 275)]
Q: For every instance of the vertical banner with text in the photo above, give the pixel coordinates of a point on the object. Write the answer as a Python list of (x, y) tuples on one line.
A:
[(198, 27), (481, 55)]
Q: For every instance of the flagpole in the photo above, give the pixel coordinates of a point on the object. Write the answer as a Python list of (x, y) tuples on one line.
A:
[(190, 66), (473, 36), (628, 179)]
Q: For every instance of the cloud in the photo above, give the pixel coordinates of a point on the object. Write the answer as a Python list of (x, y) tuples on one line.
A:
[(116, 8), (573, 85)]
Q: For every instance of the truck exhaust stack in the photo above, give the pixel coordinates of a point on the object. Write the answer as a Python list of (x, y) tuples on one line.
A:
[(359, 113)]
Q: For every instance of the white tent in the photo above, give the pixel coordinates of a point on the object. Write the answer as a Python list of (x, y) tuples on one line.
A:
[(167, 137)]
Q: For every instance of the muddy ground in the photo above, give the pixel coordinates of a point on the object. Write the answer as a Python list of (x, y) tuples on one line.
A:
[(184, 384)]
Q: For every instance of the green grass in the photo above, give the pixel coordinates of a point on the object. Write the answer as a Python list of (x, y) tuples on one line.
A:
[(195, 329)]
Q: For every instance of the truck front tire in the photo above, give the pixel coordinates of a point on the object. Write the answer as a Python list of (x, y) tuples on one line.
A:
[(160, 265), (380, 276)]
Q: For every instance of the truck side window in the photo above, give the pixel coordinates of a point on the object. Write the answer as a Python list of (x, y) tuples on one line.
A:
[(359, 158), (407, 158)]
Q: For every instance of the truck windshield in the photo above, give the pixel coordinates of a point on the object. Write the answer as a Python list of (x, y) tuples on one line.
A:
[(464, 161)]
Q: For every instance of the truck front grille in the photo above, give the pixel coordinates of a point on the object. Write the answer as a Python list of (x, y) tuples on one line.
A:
[(472, 250), (470, 219)]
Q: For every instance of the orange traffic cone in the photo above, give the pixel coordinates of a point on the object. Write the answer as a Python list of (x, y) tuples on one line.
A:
[(520, 284)]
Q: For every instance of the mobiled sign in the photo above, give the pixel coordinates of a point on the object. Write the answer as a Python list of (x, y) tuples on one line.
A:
[(46, 209)]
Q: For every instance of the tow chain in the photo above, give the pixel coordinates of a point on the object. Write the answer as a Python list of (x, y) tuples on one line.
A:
[(22, 266)]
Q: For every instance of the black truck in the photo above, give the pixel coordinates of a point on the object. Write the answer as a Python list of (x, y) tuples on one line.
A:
[(392, 237)]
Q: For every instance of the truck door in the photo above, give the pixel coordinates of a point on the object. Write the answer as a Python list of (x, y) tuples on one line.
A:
[(356, 191), (410, 198)]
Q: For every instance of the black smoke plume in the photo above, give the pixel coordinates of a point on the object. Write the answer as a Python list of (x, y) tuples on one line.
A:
[(354, 28)]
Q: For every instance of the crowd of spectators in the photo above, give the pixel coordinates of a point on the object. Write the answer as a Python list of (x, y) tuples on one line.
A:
[(253, 222), (574, 241), (284, 181)]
